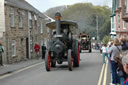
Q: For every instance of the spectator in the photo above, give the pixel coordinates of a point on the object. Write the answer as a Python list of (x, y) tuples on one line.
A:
[(37, 49), (124, 43), (125, 66), (114, 51), (1, 51), (43, 51)]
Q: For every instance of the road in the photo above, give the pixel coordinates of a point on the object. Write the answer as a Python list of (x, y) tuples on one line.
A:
[(88, 73)]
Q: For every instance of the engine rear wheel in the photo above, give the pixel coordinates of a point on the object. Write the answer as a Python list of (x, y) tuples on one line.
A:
[(76, 53), (48, 61), (53, 63), (90, 49), (70, 60)]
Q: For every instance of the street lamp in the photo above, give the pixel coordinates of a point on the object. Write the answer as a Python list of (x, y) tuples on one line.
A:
[(97, 28)]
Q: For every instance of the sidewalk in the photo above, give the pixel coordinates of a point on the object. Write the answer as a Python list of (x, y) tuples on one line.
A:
[(13, 67)]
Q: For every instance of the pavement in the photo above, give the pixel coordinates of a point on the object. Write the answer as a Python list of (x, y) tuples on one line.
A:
[(8, 68)]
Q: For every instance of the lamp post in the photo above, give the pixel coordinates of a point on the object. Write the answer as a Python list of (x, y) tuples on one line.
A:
[(97, 28)]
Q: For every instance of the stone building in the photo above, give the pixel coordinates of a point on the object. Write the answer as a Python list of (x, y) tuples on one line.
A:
[(21, 27)]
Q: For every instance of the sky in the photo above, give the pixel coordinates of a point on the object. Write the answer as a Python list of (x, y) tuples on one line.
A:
[(43, 5)]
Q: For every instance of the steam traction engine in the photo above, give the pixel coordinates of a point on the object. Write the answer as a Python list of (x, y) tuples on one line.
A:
[(62, 47), (85, 42)]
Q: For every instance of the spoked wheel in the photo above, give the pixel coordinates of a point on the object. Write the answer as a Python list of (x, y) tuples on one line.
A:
[(70, 60), (48, 61)]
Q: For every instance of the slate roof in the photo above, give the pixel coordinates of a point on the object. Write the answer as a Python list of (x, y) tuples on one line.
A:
[(24, 5)]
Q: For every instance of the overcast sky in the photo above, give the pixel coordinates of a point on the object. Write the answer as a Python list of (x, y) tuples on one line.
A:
[(43, 5)]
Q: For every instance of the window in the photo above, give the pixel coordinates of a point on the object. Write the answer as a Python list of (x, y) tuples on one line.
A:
[(20, 21), (126, 3), (124, 25), (13, 48), (12, 23), (112, 22), (31, 45), (118, 20), (41, 28), (30, 19), (22, 41), (35, 20)]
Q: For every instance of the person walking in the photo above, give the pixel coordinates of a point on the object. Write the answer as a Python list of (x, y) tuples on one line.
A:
[(115, 51), (1, 51), (104, 52), (37, 49), (43, 51), (109, 55)]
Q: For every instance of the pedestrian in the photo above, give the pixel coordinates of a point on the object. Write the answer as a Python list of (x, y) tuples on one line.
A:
[(37, 50), (43, 51), (104, 52), (109, 55), (114, 52), (1, 51), (125, 66)]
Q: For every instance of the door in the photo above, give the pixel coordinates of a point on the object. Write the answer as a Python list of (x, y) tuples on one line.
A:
[(27, 48)]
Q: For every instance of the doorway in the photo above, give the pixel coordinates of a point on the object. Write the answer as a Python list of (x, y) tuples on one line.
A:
[(27, 48)]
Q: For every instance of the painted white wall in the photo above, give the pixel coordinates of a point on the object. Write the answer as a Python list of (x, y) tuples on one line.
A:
[(2, 18)]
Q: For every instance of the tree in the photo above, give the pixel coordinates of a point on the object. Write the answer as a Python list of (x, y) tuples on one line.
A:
[(85, 15), (106, 39)]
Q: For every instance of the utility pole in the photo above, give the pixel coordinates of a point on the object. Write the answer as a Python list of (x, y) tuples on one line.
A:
[(97, 28)]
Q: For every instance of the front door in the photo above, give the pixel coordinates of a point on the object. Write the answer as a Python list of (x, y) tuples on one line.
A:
[(27, 48)]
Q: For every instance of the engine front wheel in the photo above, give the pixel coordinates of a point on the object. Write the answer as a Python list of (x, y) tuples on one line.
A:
[(48, 61), (70, 60)]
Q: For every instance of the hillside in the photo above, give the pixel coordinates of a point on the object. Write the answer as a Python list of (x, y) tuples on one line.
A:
[(85, 15)]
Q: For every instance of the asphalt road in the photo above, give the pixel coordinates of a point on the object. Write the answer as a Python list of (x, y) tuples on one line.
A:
[(88, 73)]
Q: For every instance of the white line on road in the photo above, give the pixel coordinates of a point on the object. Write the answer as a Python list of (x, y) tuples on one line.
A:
[(18, 71)]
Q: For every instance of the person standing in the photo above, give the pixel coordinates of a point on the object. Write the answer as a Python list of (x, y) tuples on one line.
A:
[(115, 51), (43, 51), (1, 51), (125, 66), (37, 49)]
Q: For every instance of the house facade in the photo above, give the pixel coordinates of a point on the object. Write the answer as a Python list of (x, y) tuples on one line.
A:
[(119, 17), (24, 26)]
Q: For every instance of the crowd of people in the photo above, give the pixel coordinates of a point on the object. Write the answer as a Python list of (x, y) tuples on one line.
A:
[(116, 52)]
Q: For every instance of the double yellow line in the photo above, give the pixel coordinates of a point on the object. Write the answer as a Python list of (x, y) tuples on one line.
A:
[(103, 74)]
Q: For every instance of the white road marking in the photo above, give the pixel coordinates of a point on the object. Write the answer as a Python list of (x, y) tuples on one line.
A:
[(18, 71)]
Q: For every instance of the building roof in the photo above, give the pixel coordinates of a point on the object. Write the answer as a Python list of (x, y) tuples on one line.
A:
[(24, 5)]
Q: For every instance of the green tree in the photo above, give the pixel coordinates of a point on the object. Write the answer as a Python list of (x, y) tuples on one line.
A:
[(85, 15), (106, 39)]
